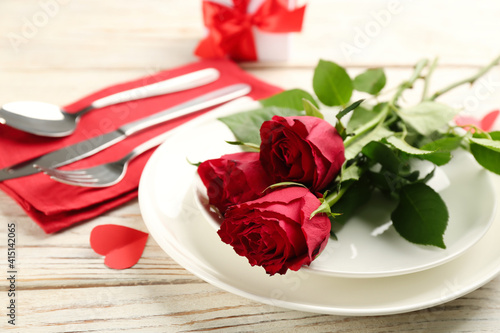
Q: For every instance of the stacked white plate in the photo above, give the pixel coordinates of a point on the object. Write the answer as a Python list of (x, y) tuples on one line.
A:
[(370, 270)]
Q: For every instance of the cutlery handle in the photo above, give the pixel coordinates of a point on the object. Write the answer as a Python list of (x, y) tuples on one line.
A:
[(179, 83), (144, 147), (205, 101), (159, 139)]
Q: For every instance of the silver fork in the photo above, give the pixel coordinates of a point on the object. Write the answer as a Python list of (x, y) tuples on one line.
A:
[(103, 175)]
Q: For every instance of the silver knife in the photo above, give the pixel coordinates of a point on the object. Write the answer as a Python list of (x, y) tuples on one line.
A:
[(91, 146)]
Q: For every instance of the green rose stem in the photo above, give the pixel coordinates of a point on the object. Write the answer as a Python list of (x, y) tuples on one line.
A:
[(379, 120), (432, 67), (470, 80)]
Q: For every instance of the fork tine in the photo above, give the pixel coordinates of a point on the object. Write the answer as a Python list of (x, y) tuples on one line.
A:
[(72, 172), (60, 174), (75, 183), (72, 179), (98, 172)]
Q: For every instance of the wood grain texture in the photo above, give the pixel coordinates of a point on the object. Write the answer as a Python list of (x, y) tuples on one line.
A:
[(85, 45)]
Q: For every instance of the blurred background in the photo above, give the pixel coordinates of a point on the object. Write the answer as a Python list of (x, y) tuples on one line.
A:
[(67, 48)]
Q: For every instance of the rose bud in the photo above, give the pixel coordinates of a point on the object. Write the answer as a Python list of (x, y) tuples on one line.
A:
[(233, 178), (275, 231), (304, 149)]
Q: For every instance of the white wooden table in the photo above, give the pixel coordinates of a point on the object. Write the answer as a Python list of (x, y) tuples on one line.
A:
[(66, 49)]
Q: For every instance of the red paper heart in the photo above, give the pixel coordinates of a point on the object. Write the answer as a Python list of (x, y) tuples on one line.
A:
[(489, 120), (121, 246), (486, 123)]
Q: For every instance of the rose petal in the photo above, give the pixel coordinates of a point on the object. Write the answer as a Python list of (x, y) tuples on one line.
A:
[(275, 231), (302, 149)]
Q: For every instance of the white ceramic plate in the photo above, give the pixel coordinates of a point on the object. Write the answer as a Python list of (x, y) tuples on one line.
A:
[(173, 216)]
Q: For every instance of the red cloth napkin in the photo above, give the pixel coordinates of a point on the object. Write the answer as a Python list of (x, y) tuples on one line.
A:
[(54, 206)]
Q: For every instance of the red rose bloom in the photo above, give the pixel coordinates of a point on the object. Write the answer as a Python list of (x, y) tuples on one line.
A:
[(233, 179), (275, 231), (306, 150)]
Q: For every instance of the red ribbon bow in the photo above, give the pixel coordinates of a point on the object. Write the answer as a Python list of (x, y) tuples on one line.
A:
[(230, 28)]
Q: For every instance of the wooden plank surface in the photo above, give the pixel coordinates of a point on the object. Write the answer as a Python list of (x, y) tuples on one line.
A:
[(85, 45)]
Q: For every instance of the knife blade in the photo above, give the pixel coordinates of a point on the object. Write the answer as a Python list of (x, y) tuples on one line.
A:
[(91, 146)]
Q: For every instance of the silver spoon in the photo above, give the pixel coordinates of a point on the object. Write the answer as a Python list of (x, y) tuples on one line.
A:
[(50, 120)]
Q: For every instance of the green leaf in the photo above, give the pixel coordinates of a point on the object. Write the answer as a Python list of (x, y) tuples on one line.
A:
[(428, 176), (197, 164), (246, 125), (323, 208), (372, 81), (376, 134), (421, 215), (495, 135), (332, 232), (341, 129), (387, 182), (356, 195), (311, 110), (438, 158), (289, 99), (283, 184), (405, 147), (361, 116), (444, 144), (332, 84), (246, 144), (382, 154), (442, 148), (349, 109), (491, 144), (350, 173), (427, 116), (487, 153)]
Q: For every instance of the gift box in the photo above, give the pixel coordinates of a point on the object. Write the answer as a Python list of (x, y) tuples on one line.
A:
[(249, 30)]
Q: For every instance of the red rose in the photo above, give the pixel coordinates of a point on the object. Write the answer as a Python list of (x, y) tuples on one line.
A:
[(233, 179), (275, 231), (306, 150)]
